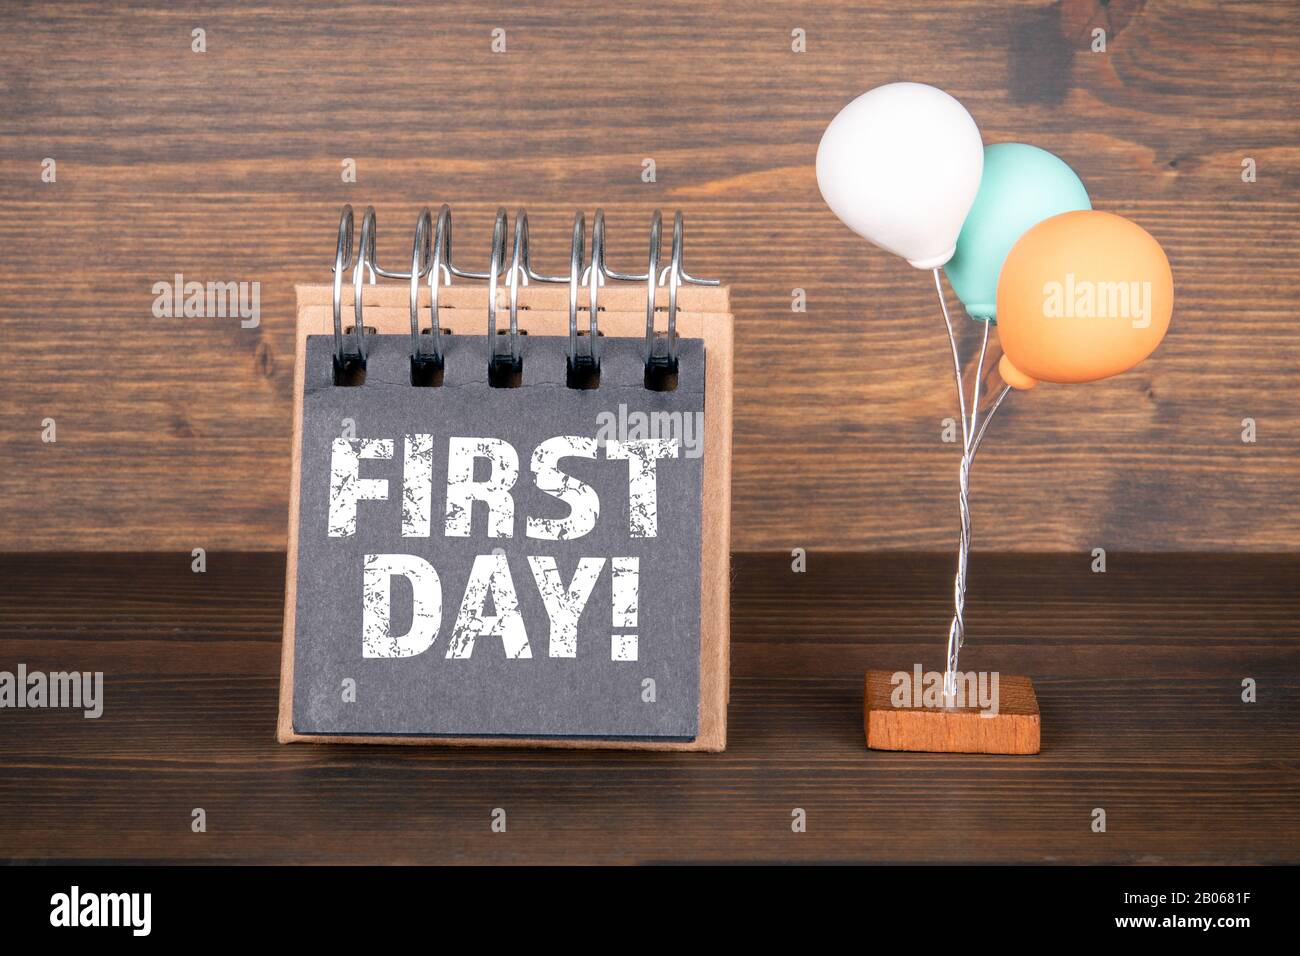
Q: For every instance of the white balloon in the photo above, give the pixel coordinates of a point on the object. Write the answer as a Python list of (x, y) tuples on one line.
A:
[(901, 165)]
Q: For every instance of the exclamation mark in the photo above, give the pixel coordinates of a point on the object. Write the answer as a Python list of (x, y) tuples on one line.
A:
[(627, 594)]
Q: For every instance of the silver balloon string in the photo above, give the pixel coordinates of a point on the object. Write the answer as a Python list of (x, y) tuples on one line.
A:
[(972, 436)]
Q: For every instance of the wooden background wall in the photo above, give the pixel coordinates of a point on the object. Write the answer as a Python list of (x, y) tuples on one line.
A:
[(174, 433)]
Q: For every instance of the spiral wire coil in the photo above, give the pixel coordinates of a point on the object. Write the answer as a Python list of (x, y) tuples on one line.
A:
[(432, 262)]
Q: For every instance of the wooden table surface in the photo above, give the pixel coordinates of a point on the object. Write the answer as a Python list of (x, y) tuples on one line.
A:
[(1138, 672)]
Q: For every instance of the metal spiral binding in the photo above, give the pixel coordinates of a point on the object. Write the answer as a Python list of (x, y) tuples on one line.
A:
[(432, 262)]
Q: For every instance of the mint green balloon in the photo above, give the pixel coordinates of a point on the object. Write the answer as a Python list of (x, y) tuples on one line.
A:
[(1022, 185)]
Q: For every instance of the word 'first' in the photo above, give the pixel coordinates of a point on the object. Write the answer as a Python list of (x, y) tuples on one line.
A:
[(347, 487)]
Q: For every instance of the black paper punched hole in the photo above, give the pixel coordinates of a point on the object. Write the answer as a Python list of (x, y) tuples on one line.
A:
[(427, 368), (584, 371), (426, 371), (584, 374), (505, 372), (661, 374), (351, 371)]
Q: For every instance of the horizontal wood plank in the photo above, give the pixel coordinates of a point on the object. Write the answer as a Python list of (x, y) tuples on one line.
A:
[(225, 166), (1137, 671)]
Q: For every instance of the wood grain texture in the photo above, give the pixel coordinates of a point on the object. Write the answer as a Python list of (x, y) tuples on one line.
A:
[(175, 433), (1012, 726), (1138, 673)]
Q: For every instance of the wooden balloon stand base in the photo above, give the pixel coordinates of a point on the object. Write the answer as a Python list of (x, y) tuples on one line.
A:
[(906, 721)]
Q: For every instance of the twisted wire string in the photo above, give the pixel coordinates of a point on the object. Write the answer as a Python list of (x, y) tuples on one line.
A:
[(971, 438), (964, 481), (957, 627), (956, 362), (979, 436)]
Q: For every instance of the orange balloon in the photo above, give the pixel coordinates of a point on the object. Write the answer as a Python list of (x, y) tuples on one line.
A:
[(1082, 296)]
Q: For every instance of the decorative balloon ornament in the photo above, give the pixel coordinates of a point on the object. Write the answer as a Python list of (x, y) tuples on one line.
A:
[(900, 165), (1022, 186), (1083, 296), (1077, 295)]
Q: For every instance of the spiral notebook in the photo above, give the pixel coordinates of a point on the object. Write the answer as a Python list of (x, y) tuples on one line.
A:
[(510, 504)]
